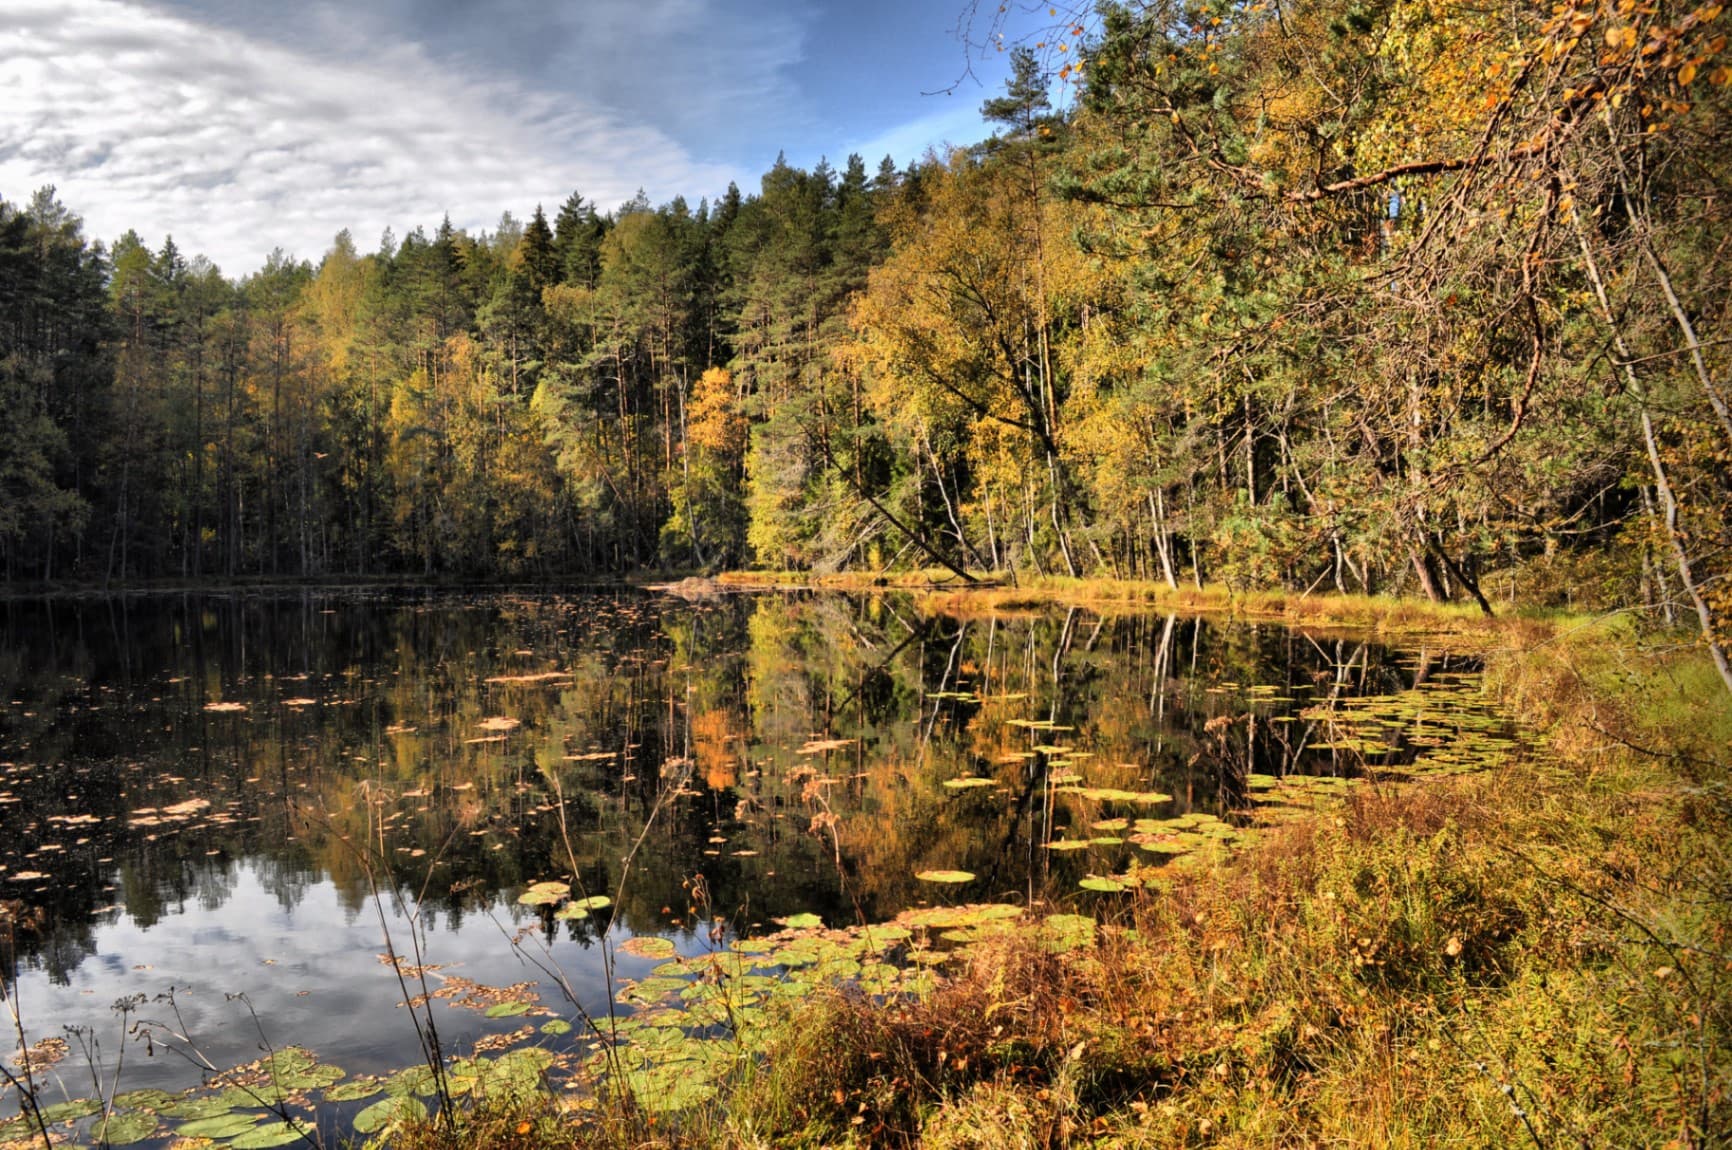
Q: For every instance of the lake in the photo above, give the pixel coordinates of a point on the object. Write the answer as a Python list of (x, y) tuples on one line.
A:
[(232, 809)]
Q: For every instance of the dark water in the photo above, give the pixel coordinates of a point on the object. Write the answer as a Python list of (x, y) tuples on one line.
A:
[(223, 794)]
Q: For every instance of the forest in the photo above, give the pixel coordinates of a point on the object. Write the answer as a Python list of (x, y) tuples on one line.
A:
[(1409, 297)]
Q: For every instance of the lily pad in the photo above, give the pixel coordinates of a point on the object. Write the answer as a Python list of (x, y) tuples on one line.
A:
[(544, 894), (1104, 885), (270, 1134), (968, 782), (1065, 932), (126, 1129), (556, 1026), (593, 902), (223, 1126), (353, 1090), (508, 1009), (67, 1111), (803, 921), (951, 876), (382, 1114), (648, 946)]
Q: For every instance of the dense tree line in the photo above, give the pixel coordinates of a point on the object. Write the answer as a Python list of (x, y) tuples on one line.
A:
[(1382, 297)]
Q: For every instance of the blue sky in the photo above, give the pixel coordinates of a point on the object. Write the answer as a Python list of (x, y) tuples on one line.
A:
[(244, 125)]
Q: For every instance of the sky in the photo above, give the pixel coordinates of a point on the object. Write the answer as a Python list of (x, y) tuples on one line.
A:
[(243, 126)]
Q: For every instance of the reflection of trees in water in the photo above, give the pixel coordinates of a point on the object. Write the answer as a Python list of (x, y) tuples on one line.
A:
[(697, 713)]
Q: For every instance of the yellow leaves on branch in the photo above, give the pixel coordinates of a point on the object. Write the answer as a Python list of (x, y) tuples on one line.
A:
[(714, 421)]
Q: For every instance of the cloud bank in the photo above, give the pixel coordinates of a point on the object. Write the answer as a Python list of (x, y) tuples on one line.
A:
[(237, 145)]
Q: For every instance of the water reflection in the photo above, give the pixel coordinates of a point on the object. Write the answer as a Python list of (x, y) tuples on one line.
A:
[(177, 770)]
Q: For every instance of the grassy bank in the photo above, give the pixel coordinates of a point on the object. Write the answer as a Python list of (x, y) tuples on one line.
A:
[(941, 591), (1537, 954)]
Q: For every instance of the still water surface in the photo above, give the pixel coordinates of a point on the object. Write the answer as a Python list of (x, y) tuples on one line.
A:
[(242, 794)]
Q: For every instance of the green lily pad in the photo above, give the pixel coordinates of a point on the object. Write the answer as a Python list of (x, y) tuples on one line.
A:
[(1114, 795), (126, 1129), (144, 1100), (544, 894), (951, 876), (649, 946), (593, 902), (353, 1090), (223, 1126), (952, 917), (803, 921), (969, 782), (508, 1009), (195, 1106), (67, 1111), (1104, 885), (556, 1026), (1065, 932), (270, 1134), (382, 1114), (414, 1080)]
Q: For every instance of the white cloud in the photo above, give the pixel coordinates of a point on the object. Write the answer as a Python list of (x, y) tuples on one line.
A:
[(235, 146)]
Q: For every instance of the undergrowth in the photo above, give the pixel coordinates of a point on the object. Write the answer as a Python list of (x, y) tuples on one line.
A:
[(1536, 955)]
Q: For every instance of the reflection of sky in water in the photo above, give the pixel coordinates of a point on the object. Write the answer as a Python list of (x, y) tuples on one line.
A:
[(311, 971)]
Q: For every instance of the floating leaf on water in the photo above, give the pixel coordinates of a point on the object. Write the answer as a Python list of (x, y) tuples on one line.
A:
[(1106, 841), (802, 921), (382, 1114), (668, 1088), (353, 1090), (196, 1106), (499, 723), (1068, 845), (1114, 795), (221, 1126), (1111, 824), (880, 937), (67, 1111), (125, 1129), (593, 902), (945, 876), (508, 1009), (648, 946), (414, 1080), (1104, 885), (544, 893), (1065, 932), (556, 1027), (225, 708), (270, 1134), (571, 912), (969, 782), (949, 917), (652, 990), (144, 1100), (820, 746)]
